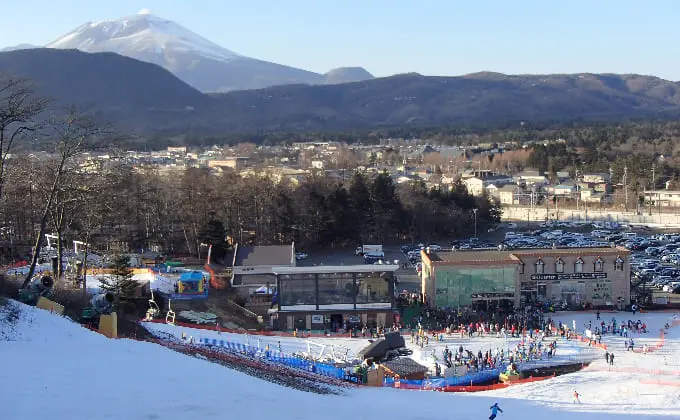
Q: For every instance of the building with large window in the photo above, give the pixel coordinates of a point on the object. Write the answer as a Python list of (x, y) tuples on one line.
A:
[(490, 279), (334, 297)]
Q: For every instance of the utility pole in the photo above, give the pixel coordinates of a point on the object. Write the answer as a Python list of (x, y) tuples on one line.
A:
[(625, 185), (577, 193), (653, 176), (474, 212)]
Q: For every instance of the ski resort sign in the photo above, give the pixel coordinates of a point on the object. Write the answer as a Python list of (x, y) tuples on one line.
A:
[(569, 276)]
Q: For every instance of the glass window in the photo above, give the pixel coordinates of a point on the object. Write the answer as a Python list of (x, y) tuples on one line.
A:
[(373, 288), (336, 289), (539, 266), (599, 265), (618, 265), (297, 290), (456, 287), (578, 266), (559, 266)]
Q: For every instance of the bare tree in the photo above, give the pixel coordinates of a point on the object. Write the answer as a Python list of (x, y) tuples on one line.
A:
[(20, 109), (74, 133)]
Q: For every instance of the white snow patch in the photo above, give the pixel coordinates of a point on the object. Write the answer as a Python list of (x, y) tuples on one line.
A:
[(153, 33)]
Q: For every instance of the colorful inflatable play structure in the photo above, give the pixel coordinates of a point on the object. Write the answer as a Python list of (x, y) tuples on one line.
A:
[(191, 285), (510, 375)]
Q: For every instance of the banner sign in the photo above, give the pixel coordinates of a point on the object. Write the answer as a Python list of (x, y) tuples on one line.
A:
[(569, 276)]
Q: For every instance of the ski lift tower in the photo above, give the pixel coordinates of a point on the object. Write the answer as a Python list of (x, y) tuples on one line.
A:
[(48, 237), (76, 244)]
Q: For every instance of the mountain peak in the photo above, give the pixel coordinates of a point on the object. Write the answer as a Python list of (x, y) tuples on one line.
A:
[(347, 75), (143, 36)]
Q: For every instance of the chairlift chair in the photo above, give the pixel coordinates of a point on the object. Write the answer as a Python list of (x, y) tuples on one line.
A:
[(153, 310), (170, 316)]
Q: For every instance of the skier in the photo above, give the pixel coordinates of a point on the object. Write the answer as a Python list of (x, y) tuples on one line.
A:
[(494, 411), (576, 399)]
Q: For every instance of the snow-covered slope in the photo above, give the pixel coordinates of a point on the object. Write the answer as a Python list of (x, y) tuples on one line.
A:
[(140, 34), (56, 369), (194, 59)]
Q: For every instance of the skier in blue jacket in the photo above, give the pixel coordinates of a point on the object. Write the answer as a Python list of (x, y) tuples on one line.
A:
[(494, 411)]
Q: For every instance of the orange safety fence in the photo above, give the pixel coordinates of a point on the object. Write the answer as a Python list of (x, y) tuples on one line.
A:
[(662, 339), (500, 385), (628, 369), (660, 382), (593, 343)]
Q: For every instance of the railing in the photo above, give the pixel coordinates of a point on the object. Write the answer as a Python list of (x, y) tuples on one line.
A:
[(245, 312)]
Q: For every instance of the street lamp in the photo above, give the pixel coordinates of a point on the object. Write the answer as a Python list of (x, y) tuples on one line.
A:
[(474, 212)]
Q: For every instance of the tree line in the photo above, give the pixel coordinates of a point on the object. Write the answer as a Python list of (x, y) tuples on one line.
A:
[(108, 205), (177, 213)]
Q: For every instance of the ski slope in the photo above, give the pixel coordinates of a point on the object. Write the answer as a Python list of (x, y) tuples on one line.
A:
[(55, 369)]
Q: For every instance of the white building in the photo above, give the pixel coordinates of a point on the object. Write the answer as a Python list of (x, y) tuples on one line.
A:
[(663, 198)]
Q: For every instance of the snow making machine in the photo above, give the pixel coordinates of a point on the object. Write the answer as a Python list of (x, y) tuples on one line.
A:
[(41, 285), (100, 304)]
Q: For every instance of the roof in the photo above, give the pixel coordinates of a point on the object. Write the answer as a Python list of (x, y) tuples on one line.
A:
[(360, 268), (191, 276), (404, 367), (264, 255), (253, 279), (570, 251), (508, 188), (486, 257), (473, 257)]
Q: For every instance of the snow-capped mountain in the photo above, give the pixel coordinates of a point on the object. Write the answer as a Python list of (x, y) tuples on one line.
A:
[(140, 34), (194, 59)]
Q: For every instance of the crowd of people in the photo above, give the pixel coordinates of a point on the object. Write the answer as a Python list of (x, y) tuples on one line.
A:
[(441, 319)]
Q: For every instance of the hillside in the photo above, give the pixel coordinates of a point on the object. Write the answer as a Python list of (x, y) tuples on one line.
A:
[(145, 98), (347, 75), (483, 98), (64, 371), (126, 91)]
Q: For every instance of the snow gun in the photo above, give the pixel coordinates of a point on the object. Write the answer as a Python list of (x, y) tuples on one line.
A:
[(103, 303), (100, 304), (40, 285)]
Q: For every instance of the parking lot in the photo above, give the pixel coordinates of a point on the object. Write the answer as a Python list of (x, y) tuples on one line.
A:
[(655, 258)]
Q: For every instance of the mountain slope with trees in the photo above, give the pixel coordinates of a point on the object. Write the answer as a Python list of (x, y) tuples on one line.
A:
[(146, 99)]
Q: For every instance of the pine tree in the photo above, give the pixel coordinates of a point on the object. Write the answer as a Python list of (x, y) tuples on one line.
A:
[(120, 282), (214, 233)]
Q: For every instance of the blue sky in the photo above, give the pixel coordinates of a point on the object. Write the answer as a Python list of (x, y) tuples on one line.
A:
[(433, 37)]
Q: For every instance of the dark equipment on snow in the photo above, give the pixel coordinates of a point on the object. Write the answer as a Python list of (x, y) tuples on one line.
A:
[(40, 285)]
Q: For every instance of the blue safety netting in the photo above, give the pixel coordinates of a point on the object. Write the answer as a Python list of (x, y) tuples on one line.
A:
[(278, 357), (324, 369), (468, 379)]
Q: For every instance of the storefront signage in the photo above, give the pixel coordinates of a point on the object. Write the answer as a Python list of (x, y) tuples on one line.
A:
[(317, 319), (569, 276)]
